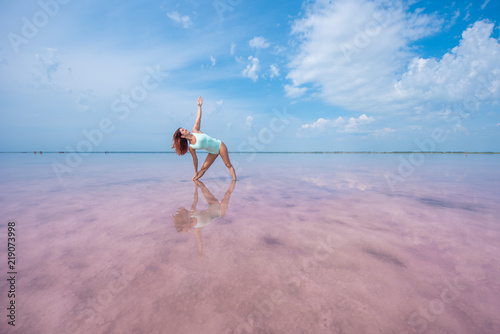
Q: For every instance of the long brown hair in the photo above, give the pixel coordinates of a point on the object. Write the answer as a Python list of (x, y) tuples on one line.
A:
[(180, 144), (182, 220)]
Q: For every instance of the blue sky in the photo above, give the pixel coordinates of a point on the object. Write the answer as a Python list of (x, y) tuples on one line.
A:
[(275, 76)]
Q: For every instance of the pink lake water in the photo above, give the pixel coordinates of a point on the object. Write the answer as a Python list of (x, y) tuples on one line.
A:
[(309, 243)]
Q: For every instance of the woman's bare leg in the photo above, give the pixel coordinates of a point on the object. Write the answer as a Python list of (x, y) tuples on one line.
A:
[(208, 162), (224, 154)]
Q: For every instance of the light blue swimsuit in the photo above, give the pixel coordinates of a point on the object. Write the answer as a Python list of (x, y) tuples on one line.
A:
[(206, 142), (206, 217)]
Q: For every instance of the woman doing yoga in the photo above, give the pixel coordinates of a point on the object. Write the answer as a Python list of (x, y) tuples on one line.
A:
[(198, 140)]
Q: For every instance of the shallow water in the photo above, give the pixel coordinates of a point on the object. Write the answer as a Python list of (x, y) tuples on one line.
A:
[(309, 243)]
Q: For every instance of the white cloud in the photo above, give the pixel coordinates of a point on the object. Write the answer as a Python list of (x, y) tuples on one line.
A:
[(213, 60), (50, 71), (275, 72), (484, 4), (252, 68), (293, 91), (471, 71), (259, 43), (185, 20), (352, 125), (278, 50), (358, 54), (457, 128), (382, 132), (324, 124), (232, 48), (248, 122), (218, 105), (82, 99), (350, 49), (453, 20), (47, 64), (467, 14)]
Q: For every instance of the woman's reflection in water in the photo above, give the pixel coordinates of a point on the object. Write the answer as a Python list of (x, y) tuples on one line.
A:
[(184, 219)]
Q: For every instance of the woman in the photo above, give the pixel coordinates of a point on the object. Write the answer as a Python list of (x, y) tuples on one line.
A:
[(198, 140)]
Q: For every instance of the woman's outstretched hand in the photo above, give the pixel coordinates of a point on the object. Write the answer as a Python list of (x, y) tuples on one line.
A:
[(200, 101)]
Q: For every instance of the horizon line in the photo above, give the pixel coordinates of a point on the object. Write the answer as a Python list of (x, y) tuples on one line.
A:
[(259, 152)]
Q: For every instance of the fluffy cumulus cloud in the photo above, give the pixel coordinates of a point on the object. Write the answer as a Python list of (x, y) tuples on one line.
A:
[(184, 21), (357, 54), (352, 125), (259, 43), (252, 68), (470, 71), (324, 124)]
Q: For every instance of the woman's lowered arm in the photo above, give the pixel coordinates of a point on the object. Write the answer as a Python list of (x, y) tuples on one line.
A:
[(195, 161)]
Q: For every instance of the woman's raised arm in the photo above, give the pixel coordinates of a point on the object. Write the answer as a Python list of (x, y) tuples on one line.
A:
[(197, 123)]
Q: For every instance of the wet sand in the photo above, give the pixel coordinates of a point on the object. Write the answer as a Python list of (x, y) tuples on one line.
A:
[(309, 244)]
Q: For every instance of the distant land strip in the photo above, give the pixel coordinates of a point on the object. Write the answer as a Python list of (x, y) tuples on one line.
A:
[(274, 152)]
